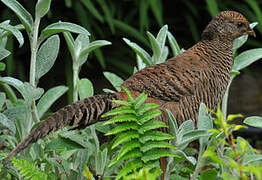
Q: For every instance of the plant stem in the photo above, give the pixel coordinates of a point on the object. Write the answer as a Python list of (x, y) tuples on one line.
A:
[(225, 98), (34, 48), (75, 78)]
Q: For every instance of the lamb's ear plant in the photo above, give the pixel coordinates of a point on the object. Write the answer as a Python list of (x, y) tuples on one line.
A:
[(141, 144)]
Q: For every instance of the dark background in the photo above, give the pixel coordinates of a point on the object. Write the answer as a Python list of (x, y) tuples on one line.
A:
[(185, 19)]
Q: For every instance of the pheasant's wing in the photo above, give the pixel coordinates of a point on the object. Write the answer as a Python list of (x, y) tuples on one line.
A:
[(170, 81)]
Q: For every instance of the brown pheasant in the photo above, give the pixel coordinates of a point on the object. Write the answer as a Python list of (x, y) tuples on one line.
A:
[(200, 74)]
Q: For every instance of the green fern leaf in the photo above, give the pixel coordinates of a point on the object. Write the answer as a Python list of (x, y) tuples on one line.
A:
[(154, 135), (155, 144), (124, 103), (123, 127), (130, 155), (121, 118), (149, 115), (157, 154), (153, 124), (153, 164), (28, 170), (129, 95), (119, 111), (129, 167), (128, 147), (146, 107), (124, 138), (139, 100)]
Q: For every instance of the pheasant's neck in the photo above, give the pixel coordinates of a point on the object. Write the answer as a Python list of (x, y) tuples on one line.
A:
[(219, 53)]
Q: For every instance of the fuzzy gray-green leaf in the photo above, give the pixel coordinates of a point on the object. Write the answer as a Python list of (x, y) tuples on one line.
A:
[(7, 123), (173, 44), (85, 88), (42, 7), (47, 55), (24, 16), (18, 35), (246, 58), (114, 79), (4, 53), (254, 121), (49, 98)]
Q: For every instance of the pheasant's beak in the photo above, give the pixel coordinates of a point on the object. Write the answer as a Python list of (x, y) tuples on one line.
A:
[(251, 32)]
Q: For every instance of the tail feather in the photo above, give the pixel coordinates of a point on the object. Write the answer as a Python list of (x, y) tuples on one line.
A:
[(79, 114)]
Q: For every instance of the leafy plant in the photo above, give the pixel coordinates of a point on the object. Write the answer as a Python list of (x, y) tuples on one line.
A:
[(142, 145)]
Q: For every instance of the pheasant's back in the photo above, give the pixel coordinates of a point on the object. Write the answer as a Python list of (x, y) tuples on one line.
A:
[(200, 74)]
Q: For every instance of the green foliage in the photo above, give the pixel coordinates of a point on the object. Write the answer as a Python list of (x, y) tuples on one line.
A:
[(141, 144)]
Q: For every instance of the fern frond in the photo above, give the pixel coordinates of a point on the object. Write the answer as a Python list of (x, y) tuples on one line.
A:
[(153, 164), (135, 153), (149, 115), (125, 137), (155, 144), (129, 95), (139, 100), (153, 124), (146, 107), (28, 170), (119, 111), (129, 167), (123, 127), (128, 147), (155, 154), (154, 136), (122, 118)]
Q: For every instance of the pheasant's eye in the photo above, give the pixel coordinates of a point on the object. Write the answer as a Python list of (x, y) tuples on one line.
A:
[(240, 24)]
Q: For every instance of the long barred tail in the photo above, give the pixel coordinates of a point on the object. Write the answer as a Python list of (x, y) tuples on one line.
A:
[(79, 115)]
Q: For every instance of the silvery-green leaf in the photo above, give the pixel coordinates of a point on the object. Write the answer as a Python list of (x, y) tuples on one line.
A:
[(7, 123), (42, 7), (155, 45), (115, 80), (254, 121), (2, 99), (18, 35), (173, 43), (21, 12), (49, 98), (4, 53), (246, 58), (85, 88), (161, 36), (47, 55)]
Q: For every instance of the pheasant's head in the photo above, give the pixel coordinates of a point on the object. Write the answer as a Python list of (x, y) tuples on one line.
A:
[(227, 25)]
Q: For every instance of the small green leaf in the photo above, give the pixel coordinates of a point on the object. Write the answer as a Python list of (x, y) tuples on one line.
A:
[(85, 88), (94, 45), (153, 124), (193, 135), (42, 7), (2, 66), (173, 43), (252, 158), (210, 174), (62, 144), (123, 127), (62, 27), (246, 58), (129, 95), (125, 103), (139, 51), (4, 53), (254, 121), (154, 135), (155, 45), (18, 35), (128, 147), (161, 37), (114, 79), (149, 115), (70, 43), (139, 100), (157, 154), (155, 144), (21, 12), (172, 123), (146, 107), (125, 137), (7, 123), (2, 99), (49, 98), (19, 85), (120, 110), (129, 167), (121, 118), (47, 55)]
